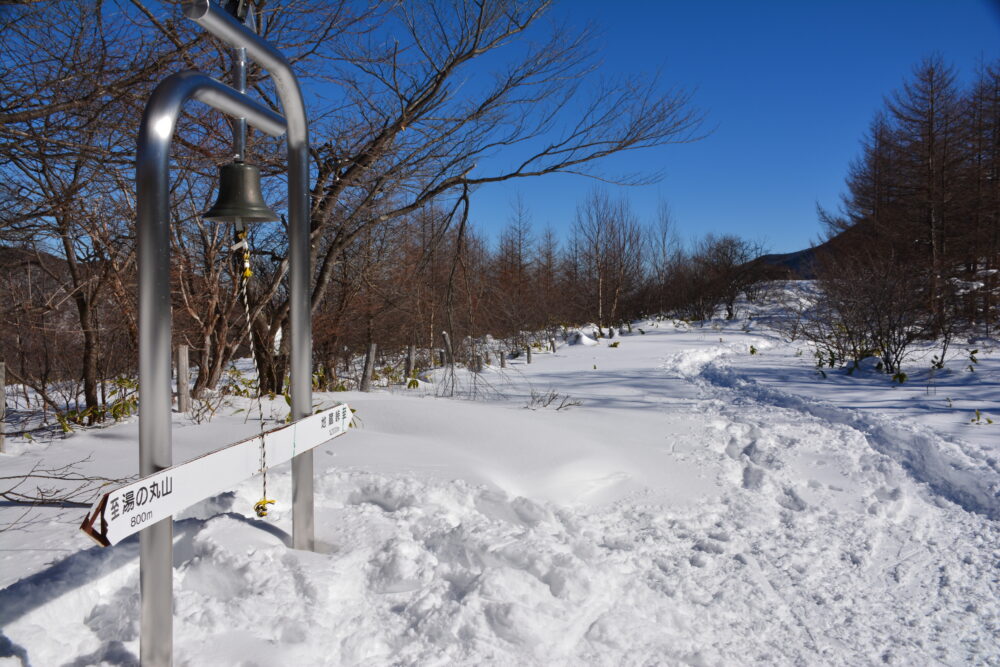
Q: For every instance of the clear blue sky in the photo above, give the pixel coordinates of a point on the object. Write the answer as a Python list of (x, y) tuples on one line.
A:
[(789, 88)]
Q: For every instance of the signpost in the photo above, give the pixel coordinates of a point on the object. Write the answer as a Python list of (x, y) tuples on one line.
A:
[(130, 508)]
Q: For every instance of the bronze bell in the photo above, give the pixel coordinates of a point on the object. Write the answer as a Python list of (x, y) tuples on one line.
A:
[(240, 199)]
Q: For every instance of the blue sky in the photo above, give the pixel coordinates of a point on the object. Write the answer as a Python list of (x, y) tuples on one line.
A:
[(789, 89)]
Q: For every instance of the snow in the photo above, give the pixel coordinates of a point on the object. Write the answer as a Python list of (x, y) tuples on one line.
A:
[(702, 505)]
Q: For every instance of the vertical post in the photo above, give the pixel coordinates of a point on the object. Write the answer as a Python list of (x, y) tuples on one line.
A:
[(411, 354), (552, 343), (448, 351), (183, 380), (441, 358), (477, 364), (529, 353), (503, 360), (331, 373), (3, 401), (156, 571), (240, 84)]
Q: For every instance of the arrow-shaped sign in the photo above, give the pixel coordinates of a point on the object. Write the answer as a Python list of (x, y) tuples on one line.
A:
[(130, 508)]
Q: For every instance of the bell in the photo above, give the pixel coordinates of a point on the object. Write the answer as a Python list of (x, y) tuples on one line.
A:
[(240, 199)]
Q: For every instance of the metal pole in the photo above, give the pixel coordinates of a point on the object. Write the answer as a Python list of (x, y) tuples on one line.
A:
[(152, 166), (228, 29), (240, 84)]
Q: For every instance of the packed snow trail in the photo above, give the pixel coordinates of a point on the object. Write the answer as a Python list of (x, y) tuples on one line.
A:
[(680, 516), (948, 468)]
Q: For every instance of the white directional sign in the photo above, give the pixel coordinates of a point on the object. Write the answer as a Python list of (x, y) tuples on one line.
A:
[(130, 508)]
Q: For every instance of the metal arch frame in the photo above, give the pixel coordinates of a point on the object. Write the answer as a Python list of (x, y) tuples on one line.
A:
[(228, 29), (156, 132)]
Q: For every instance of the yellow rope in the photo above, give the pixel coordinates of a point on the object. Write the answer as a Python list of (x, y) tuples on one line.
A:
[(247, 273), (260, 507)]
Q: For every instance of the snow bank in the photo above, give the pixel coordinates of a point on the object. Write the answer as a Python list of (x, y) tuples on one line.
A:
[(697, 503)]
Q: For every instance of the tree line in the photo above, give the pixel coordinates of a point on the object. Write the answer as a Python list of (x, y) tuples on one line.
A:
[(406, 101), (914, 251)]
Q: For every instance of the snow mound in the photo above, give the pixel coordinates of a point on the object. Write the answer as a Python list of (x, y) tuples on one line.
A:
[(580, 338)]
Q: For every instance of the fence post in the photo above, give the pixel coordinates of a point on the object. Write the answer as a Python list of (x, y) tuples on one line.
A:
[(366, 374), (529, 353), (183, 380), (411, 353), (503, 360), (3, 401), (449, 352)]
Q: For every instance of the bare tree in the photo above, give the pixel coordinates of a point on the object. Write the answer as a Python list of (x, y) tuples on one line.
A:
[(395, 131), (405, 134), (727, 262), (608, 241)]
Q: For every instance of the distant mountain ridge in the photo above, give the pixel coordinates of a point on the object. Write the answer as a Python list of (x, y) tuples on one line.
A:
[(801, 264)]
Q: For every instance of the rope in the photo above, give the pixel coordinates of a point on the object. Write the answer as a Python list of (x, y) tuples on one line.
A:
[(260, 507)]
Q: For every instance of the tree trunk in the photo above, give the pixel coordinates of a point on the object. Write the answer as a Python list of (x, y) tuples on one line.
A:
[(270, 365), (449, 353), (89, 360), (183, 380), (366, 374)]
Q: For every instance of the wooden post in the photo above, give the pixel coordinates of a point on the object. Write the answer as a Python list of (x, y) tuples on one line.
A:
[(449, 352), (411, 353), (477, 364), (3, 401), (503, 360), (366, 374), (183, 380), (529, 353), (330, 368)]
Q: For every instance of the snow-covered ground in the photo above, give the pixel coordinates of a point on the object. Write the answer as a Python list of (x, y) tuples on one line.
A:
[(702, 505)]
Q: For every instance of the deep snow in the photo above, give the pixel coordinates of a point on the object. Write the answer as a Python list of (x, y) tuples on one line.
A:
[(703, 506)]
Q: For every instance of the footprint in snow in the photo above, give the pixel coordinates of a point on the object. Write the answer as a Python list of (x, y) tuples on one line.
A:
[(753, 478), (709, 546), (792, 501)]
